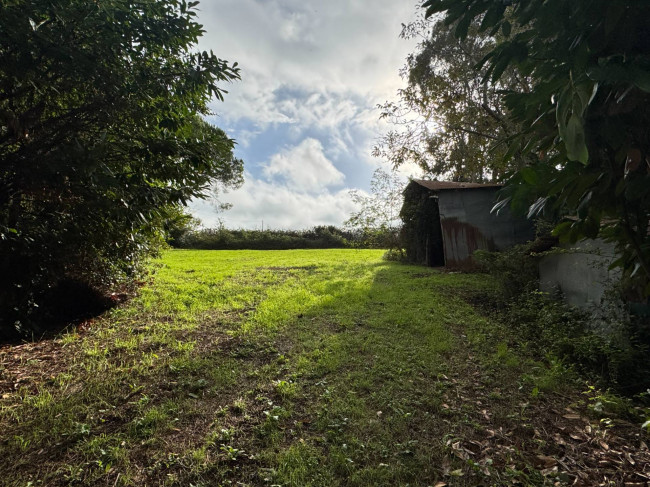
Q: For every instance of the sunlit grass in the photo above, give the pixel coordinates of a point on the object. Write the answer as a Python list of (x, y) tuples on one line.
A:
[(288, 368)]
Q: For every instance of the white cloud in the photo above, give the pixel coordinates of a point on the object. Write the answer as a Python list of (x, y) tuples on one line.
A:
[(279, 207), (345, 48), (304, 168), (245, 137), (312, 75), (296, 29)]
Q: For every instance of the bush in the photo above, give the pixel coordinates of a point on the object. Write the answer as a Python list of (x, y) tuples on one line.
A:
[(101, 141), (615, 359), (319, 237), (515, 269), (606, 344)]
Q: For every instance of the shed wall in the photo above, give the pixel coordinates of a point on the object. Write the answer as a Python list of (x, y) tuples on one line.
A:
[(467, 225)]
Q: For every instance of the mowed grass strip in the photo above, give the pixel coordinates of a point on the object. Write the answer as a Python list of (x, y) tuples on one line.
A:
[(291, 368)]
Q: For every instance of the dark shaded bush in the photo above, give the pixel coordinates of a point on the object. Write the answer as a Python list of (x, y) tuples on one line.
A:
[(101, 141)]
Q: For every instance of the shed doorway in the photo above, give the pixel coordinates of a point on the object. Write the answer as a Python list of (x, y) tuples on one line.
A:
[(435, 252)]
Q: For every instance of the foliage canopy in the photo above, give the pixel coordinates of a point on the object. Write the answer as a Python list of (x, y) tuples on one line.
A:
[(584, 122), (447, 120), (101, 136)]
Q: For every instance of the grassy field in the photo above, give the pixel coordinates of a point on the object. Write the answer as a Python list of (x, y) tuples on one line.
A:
[(298, 368)]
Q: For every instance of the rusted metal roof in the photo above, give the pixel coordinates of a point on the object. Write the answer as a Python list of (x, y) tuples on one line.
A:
[(444, 185)]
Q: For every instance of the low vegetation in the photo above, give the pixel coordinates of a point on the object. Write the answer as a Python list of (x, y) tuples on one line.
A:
[(319, 237), (606, 344), (305, 368)]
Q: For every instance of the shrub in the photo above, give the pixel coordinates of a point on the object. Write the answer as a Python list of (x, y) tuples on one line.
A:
[(101, 141), (319, 237), (606, 344)]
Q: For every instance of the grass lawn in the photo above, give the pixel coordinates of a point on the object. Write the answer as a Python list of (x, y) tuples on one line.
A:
[(300, 368)]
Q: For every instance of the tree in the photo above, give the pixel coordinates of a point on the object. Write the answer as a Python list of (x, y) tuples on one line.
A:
[(584, 122), (448, 121), (101, 137), (378, 214)]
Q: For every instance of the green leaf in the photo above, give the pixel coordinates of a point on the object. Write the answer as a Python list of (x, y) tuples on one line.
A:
[(537, 207), (530, 175), (500, 205), (641, 78), (582, 95), (498, 67), (583, 207), (590, 228), (574, 140), (462, 27), (492, 16), (562, 107), (562, 228), (433, 7), (506, 28)]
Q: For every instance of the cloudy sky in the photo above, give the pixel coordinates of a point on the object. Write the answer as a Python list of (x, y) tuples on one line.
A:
[(304, 114)]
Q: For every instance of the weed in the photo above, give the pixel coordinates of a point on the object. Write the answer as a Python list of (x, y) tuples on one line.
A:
[(286, 390), (239, 406)]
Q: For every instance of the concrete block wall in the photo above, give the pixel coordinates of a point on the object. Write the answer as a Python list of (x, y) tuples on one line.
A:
[(581, 273)]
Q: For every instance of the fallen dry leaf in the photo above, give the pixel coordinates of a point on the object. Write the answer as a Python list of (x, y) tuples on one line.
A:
[(546, 461)]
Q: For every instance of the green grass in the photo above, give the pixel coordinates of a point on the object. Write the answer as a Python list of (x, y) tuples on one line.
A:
[(291, 368)]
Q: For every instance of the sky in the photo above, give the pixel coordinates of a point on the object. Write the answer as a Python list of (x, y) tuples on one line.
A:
[(304, 113)]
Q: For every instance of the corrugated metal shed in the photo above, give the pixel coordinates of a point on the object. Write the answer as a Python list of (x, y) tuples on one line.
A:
[(467, 223)]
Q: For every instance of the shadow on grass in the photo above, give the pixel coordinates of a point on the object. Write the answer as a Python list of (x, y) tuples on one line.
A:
[(353, 386)]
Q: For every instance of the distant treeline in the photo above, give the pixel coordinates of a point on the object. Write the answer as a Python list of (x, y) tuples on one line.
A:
[(320, 237)]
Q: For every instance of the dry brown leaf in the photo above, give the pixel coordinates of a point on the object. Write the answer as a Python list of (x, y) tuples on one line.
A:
[(546, 461), (571, 416), (548, 471)]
